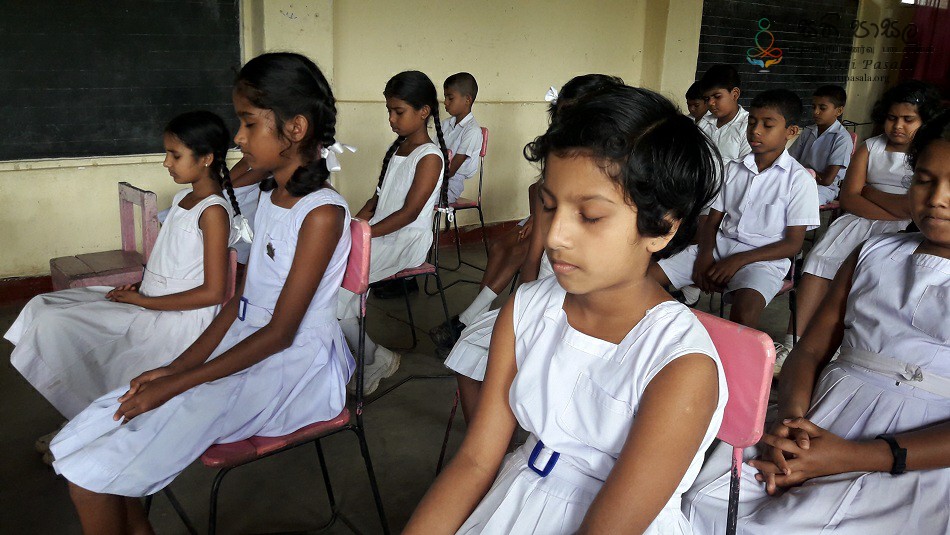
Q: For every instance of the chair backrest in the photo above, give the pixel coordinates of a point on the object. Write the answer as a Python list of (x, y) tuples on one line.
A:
[(232, 275), (481, 163), (356, 276), (854, 142), (130, 196), (748, 357)]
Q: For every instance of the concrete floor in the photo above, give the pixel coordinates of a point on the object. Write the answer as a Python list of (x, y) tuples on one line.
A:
[(285, 492)]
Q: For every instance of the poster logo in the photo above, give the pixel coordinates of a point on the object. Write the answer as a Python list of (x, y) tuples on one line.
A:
[(764, 56)]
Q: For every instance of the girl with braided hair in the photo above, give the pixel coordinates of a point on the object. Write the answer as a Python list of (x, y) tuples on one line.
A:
[(411, 182), (75, 345), (274, 360)]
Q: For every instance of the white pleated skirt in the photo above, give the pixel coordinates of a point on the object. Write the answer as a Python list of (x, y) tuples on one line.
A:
[(842, 237), (522, 502), (301, 385), (75, 345), (858, 405), (469, 356)]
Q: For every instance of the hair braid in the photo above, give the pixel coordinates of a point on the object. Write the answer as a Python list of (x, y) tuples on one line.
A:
[(386, 158), (226, 182), (444, 193)]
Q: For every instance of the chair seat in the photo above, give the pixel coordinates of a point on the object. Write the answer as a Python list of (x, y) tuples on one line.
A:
[(422, 269), (462, 202), (105, 268), (832, 205), (787, 286), (238, 453)]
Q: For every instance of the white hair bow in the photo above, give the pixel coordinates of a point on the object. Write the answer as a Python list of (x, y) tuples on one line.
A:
[(329, 154), (551, 95), (448, 211), (243, 228)]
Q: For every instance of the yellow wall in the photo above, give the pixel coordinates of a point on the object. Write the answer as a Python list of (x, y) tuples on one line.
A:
[(515, 50)]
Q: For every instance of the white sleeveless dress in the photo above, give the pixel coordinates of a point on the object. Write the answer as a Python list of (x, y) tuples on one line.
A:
[(409, 246), (579, 396), (469, 356), (888, 172), (284, 392), (75, 345), (899, 307)]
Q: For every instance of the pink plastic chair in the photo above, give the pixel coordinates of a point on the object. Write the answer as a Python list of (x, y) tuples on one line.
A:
[(748, 357), (118, 267), (228, 456)]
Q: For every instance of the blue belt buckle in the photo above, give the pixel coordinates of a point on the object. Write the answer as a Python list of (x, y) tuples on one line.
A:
[(242, 308), (534, 457)]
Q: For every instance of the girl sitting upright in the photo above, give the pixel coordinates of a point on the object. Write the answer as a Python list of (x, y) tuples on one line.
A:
[(872, 195), (75, 345), (849, 429), (411, 183), (274, 360), (596, 361)]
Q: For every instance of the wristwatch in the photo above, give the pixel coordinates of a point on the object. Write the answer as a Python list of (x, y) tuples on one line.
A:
[(899, 453)]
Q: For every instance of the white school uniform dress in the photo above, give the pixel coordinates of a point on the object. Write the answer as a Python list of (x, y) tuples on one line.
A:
[(899, 310), (247, 198), (578, 395), (833, 147), (469, 356), (731, 139), (75, 345), (757, 208), (288, 390), (888, 172), (409, 246), (462, 137)]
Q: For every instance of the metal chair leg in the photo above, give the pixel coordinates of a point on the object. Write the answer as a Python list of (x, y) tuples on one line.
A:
[(448, 432), (334, 512), (481, 218), (364, 450), (176, 505), (445, 305), (213, 507), (412, 323)]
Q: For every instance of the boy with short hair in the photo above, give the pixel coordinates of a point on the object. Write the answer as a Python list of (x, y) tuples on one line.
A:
[(695, 103), (758, 220), (463, 135), (727, 122), (825, 146)]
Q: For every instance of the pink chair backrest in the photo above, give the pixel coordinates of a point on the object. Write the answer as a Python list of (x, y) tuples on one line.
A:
[(484, 150), (232, 275), (129, 195), (356, 277), (748, 357), (854, 142)]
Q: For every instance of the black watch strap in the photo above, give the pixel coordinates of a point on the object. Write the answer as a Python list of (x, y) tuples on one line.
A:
[(899, 453)]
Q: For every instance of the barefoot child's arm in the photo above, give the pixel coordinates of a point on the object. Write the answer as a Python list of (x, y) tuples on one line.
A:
[(895, 203), (656, 455), (467, 478), (423, 183), (319, 235), (215, 226), (852, 201)]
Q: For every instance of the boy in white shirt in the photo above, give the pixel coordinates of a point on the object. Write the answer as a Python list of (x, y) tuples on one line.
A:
[(463, 135), (696, 104), (825, 146), (758, 220), (726, 126)]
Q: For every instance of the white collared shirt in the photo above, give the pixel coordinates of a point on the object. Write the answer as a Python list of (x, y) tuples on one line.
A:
[(759, 206), (465, 137), (732, 138), (833, 147)]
